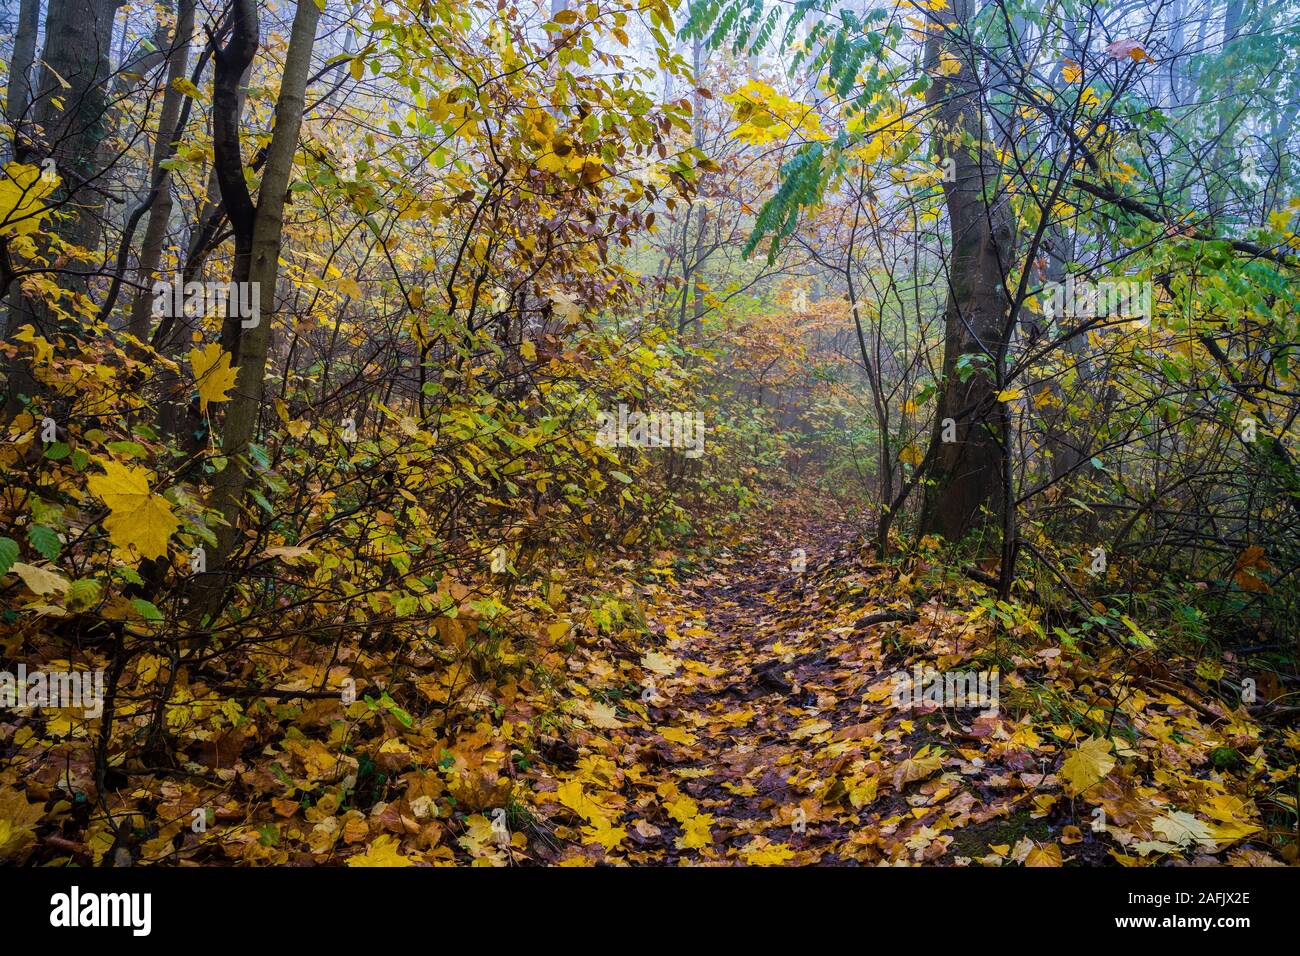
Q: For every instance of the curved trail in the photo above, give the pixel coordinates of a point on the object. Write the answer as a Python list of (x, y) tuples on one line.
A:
[(767, 730), (765, 727)]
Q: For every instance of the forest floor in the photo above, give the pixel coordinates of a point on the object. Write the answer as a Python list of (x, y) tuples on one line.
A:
[(771, 732), (676, 709)]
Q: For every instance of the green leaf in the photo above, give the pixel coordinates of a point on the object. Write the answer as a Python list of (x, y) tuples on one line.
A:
[(146, 610), (134, 449), (85, 592), (405, 719), (626, 479), (45, 540), (8, 554)]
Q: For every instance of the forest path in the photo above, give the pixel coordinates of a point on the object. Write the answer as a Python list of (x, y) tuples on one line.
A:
[(764, 735), (767, 730)]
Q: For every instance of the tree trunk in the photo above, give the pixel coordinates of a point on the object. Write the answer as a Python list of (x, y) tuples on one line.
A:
[(160, 179), (18, 97), (72, 106), (253, 345), (967, 474)]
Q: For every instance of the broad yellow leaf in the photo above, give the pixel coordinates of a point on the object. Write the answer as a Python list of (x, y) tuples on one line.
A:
[(662, 664), (607, 836), (18, 820), (383, 852), (1049, 855), (1183, 829), (949, 65), (918, 767), (911, 455), (182, 85), (43, 350), (213, 374), (696, 832), (772, 854), (40, 580), (677, 735), (571, 795), (22, 193), (601, 715), (139, 519), (1087, 765)]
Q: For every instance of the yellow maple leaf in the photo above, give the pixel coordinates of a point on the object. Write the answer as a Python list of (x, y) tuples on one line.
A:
[(212, 373), (662, 664), (383, 852), (682, 808), (139, 518), (696, 832), (600, 715), (1183, 829), (571, 795), (771, 854), (1049, 855), (606, 835), (483, 841), (1087, 765), (22, 191)]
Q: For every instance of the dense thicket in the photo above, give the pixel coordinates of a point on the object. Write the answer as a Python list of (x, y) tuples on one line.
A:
[(313, 313)]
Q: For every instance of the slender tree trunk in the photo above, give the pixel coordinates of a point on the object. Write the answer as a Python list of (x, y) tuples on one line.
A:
[(1230, 111), (263, 264), (18, 97), (159, 178), (18, 100)]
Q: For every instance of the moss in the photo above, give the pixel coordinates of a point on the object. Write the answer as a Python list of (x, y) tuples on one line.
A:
[(975, 840), (1225, 758)]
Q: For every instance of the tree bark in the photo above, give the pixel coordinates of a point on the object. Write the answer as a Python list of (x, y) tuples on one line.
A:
[(159, 178), (966, 489), (18, 96), (72, 105), (262, 268), (228, 160)]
